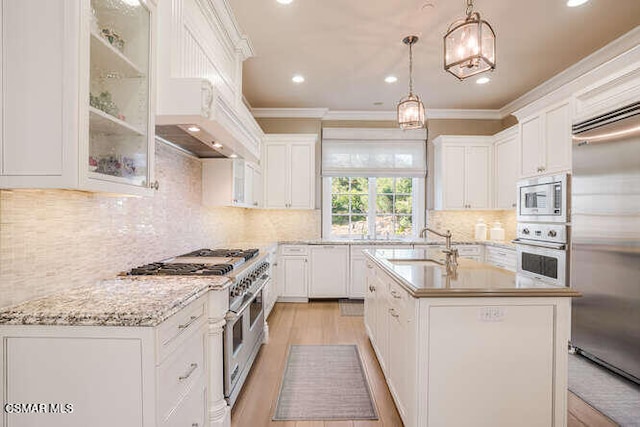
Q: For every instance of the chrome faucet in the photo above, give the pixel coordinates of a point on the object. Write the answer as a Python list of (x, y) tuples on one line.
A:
[(451, 253)]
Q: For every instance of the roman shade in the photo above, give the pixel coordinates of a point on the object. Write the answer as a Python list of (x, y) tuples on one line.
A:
[(374, 152)]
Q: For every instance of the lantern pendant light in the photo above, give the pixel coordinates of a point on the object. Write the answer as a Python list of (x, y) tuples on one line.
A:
[(411, 108), (469, 46)]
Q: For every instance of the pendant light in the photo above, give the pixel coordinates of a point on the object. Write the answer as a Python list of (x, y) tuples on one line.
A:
[(469, 46), (410, 108)]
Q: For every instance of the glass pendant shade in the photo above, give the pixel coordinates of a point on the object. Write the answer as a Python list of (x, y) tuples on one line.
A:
[(469, 47), (411, 112), (411, 108)]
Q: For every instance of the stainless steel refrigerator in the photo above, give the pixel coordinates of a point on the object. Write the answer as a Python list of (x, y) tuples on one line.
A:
[(605, 220)]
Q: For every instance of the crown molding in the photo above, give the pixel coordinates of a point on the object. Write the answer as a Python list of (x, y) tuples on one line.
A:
[(289, 113), (326, 114), (464, 114), (625, 43), (360, 115)]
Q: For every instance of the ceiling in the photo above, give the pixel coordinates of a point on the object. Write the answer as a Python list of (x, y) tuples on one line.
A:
[(345, 48)]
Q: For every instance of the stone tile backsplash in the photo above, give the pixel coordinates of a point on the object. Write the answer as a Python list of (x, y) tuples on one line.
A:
[(462, 223), (55, 239)]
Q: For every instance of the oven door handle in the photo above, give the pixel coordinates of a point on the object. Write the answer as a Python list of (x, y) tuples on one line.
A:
[(231, 316), (547, 245)]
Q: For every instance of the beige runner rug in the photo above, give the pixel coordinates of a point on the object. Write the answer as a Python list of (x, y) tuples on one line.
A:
[(324, 382)]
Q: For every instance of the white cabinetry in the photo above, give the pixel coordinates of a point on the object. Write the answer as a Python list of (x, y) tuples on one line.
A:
[(77, 95), (253, 185), (329, 271), (545, 141), (293, 274), (289, 171), (223, 182), (506, 168), (390, 320), (230, 182), (501, 257), (152, 376), (463, 172)]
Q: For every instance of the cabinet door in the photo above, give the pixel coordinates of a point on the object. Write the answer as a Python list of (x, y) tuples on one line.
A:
[(397, 351), (329, 271), (492, 374), (302, 178), (257, 187), (531, 150), (370, 302), (294, 280), (478, 177), (248, 185), (382, 323), (357, 284), (275, 176), (558, 139), (112, 369), (238, 182), (506, 173), (453, 178)]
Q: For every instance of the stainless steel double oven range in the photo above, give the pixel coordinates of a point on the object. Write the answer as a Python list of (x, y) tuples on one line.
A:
[(543, 233), (249, 272)]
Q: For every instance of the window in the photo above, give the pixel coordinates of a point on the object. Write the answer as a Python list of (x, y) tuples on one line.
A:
[(373, 182), (372, 207)]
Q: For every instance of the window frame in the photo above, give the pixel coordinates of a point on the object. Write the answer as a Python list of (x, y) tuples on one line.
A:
[(417, 207)]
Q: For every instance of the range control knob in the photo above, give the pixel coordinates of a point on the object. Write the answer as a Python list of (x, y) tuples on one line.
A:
[(552, 233), (525, 231)]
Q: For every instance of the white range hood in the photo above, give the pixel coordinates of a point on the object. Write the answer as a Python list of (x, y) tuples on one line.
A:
[(199, 55)]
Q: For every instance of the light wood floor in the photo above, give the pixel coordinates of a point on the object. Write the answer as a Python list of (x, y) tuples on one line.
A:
[(320, 323)]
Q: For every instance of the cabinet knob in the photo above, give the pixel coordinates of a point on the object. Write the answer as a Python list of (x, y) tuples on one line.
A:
[(393, 313), (155, 185), (395, 295), (513, 205), (372, 288)]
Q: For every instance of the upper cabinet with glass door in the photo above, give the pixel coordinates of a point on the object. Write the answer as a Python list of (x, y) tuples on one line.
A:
[(78, 97)]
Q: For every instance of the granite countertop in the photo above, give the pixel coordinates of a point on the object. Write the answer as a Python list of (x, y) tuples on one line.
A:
[(472, 279), (123, 301), (395, 242)]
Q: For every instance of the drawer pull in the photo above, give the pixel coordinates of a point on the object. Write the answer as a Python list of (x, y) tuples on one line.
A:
[(186, 325), (192, 368), (195, 424), (393, 313), (395, 294)]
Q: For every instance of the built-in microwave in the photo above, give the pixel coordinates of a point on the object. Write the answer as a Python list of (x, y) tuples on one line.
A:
[(543, 199)]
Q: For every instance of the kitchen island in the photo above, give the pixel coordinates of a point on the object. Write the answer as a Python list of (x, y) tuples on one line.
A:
[(473, 345)]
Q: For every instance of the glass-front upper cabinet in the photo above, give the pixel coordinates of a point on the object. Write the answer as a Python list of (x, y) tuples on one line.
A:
[(77, 95), (119, 146)]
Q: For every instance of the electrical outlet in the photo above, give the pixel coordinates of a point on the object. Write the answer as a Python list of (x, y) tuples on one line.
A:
[(491, 314)]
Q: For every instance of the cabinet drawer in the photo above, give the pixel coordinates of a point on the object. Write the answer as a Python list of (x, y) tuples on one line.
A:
[(190, 412), (178, 373), (181, 324), (294, 250), (469, 250), (398, 297)]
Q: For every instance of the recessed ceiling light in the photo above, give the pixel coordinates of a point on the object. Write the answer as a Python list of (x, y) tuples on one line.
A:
[(483, 80), (391, 79), (285, 1), (297, 78), (378, 103), (233, 156), (193, 128), (575, 3), (217, 145)]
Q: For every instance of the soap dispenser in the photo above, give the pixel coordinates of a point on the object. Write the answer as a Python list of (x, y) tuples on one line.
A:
[(481, 230)]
